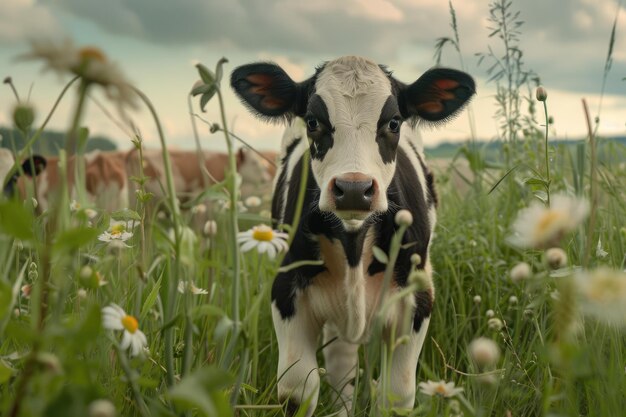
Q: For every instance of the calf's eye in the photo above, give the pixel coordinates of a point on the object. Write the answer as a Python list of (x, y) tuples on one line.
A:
[(394, 125), (312, 125)]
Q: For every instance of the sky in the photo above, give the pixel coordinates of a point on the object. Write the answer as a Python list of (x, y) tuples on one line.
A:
[(158, 42)]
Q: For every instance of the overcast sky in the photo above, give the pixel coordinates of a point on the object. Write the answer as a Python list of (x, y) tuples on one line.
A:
[(157, 43)]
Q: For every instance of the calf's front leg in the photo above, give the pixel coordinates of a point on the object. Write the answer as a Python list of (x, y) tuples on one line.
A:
[(298, 376)]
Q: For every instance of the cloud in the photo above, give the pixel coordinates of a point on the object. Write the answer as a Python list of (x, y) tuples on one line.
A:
[(20, 19)]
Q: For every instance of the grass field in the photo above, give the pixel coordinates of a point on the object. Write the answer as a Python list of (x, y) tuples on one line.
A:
[(558, 320)]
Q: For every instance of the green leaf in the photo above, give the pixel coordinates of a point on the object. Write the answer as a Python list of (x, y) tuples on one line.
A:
[(204, 389), (536, 181), (206, 310), (380, 255), (206, 74), (73, 239), (150, 299), (5, 372), (16, 220), (6, 299), (126, 214), (219, 70), (88, 329), (207, 97), (201, 89)]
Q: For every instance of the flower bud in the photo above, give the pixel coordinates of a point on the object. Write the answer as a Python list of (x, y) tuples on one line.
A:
[(214, 128), (513, 300), (23, 116), (210, 228), (495, 324), (477, 299), (541, 93), (404, 218), (102, 408), (490, 313), (520, 272), (484, 352), (252, 201), (555, 258), (416, 259)]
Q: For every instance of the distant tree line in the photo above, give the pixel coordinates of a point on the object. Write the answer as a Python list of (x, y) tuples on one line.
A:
[(50, 142)]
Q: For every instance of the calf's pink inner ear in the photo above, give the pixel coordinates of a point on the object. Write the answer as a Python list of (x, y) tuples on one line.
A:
[(441, 90), (262, 85)]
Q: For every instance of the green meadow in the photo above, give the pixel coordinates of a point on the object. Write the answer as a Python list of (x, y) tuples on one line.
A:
[(155, 310)]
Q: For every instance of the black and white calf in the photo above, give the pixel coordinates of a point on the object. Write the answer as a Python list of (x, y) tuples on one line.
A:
[(366, 164)]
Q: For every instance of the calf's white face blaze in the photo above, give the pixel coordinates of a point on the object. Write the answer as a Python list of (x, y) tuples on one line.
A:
[(354, 91)]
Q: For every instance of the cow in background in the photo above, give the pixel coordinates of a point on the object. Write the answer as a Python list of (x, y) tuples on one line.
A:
[(106, 181), (31, 167), (190, 180)]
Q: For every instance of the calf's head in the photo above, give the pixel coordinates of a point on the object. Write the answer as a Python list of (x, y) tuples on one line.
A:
[(353, 110)]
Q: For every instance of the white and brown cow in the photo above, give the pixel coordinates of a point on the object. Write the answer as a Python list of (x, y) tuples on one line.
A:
[(106, 182), (190, 180), (356, 121)]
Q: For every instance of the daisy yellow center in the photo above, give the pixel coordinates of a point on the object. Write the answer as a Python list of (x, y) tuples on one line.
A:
[(441, 390), (547, 220), (263, 234), (130, 323), (89, 53), (117, 229)]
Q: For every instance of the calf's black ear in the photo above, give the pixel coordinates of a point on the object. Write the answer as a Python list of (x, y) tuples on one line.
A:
[(437, 95), (269, 92), (36, 167)]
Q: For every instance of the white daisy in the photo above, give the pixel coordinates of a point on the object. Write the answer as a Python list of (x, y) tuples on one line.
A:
[(88, 62), (74, 206), (602, 294), (118, 232), (191, 287), (538, 226), (264, 239), (441, 388), (115, 318)]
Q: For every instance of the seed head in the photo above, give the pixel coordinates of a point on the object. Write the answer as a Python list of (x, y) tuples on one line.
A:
[(555, 258), (484, 352), (542, 94), (404, 218), (520, 272)]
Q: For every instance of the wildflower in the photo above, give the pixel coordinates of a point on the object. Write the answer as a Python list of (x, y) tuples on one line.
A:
[(404, 218), (495, 324), (191, 287), (555, 258), (91, 213), (115, 318), (484, 352), (74, 206), (81, 293), (520, 272), (416, 259), (118, 232), (26, 290), (490, 313), (264, 239), (602, 294), (538, 226), (541, 94), (210, 228), (101, 408), (441, 388), (600, 253), (513, 300), (90, 63), (198, 209), (252, 201), (477, 299)]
